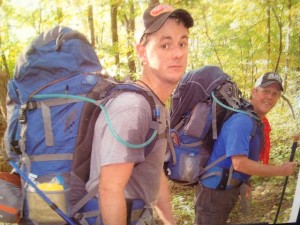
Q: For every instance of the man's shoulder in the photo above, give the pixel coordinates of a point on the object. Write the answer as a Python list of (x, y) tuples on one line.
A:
[(128, 99), (240, 121), (241, 117)]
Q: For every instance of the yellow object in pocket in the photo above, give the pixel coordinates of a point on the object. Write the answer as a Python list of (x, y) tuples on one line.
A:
[(50, 187)]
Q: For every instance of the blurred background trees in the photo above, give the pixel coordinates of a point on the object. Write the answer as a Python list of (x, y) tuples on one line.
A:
[(244, 38)]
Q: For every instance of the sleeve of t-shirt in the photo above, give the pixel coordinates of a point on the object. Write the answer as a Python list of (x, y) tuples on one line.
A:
[(129, 117), (237, 133)]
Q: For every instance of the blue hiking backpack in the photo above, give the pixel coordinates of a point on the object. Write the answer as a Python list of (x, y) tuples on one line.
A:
[(53, 100), (203, 100)]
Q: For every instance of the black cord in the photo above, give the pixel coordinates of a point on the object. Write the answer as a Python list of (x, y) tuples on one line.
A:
[(294, 147)]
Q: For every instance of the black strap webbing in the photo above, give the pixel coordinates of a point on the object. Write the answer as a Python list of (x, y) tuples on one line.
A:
[(223, 182), (129, 204)]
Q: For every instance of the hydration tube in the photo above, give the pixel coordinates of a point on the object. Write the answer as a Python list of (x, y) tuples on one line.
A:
[(113, 132), (231, 108)]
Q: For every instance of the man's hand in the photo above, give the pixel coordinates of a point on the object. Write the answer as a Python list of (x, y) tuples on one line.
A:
[(288, 168), (248, 190)]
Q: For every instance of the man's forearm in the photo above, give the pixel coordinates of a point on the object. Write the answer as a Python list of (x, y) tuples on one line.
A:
[(244, 165), (113, 179), (113, 209), (164, 206)]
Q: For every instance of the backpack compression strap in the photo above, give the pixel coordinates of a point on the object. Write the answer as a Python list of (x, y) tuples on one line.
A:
[(45, 107)]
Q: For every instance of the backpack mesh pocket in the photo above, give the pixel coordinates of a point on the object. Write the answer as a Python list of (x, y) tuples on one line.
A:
[(187, 167), (10, 198), (39, 210)]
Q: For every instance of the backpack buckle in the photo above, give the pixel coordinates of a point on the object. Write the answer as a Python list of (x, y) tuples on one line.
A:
[(31, 105), (15, 147), (22, 114), (77, 216)]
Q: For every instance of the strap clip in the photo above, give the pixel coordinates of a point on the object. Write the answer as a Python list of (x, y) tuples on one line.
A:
[(22, 114)]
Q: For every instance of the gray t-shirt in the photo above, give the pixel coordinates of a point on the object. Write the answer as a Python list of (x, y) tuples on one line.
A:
[(130, 115)]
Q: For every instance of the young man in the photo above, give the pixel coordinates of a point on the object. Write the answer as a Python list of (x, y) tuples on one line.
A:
[(163, 50), (217, 195)]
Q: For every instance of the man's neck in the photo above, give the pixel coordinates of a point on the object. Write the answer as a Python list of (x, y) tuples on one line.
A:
[(161, 91)]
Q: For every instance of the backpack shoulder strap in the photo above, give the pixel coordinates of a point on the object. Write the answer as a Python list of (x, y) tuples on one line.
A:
[(254, 128), (125, 87), (148, 95)]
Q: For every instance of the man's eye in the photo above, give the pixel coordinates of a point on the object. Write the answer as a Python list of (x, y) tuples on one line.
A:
[(165, 46), (183, 45)]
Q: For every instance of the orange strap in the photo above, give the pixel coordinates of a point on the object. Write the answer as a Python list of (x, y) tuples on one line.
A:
[(11, 178), (8, 209), (265, 150)]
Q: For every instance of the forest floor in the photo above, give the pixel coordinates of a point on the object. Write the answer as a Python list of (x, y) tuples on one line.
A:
[(262, 206)]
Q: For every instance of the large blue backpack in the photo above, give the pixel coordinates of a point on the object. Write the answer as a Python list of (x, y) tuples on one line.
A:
[(53, 101), (203, 100)]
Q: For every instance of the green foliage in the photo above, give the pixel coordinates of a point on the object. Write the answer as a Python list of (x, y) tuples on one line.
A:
[(227, 33), (231, 34), (183, 204)]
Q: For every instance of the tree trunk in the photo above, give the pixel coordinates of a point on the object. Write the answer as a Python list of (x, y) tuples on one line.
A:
[(114, 30), (251, 55), (154, 2), (280, 25), (91, 25), (268, 34), (210, 39), (130, 26), (4, 77), (287, 45)]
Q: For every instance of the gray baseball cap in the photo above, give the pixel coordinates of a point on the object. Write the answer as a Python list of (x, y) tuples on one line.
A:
[(267, 79)]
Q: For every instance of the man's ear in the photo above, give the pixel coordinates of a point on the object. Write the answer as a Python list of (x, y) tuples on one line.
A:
[(141, 51), (253, 92)]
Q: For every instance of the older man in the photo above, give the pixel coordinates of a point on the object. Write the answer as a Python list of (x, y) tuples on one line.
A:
[(241, 139)]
